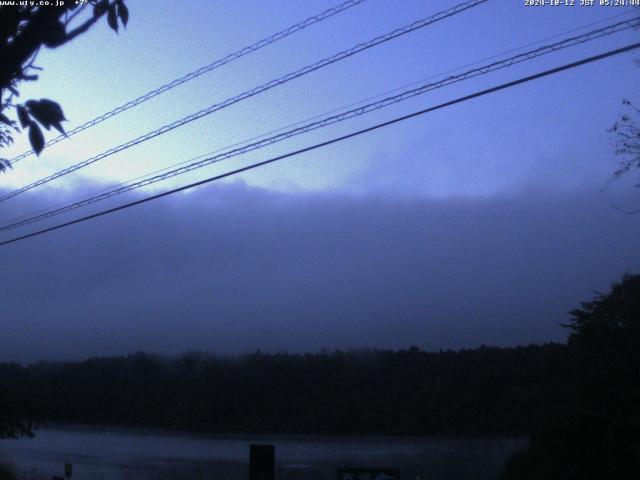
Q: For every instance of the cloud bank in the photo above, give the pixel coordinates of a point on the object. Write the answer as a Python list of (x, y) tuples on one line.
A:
[(231, 268)]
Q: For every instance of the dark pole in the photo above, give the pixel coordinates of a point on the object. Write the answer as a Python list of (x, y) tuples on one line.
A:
[(261, 462)]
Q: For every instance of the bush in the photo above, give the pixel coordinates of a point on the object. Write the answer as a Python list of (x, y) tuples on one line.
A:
[(7, 472)]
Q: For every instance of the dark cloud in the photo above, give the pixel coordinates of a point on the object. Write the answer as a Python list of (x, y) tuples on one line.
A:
[(230, 268)]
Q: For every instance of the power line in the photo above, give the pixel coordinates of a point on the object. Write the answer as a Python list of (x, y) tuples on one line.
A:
[(267, 41), (335, 110), (465, 98), (333, 119), (330, 120), (200, 71), (255, 91)]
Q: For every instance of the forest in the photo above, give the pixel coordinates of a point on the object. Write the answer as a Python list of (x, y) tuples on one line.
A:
[(483, 391)]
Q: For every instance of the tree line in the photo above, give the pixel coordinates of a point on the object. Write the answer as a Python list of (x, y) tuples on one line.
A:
[(483, 391)]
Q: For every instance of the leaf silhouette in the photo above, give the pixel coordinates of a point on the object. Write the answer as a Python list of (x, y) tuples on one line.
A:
[(54, 33), (4, 119), (47, 112), (36, 138), (100, 7), (23, 116), (112, 19), (123, 12)]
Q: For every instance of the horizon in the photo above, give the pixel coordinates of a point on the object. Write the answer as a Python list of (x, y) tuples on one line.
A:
[(212, 355)]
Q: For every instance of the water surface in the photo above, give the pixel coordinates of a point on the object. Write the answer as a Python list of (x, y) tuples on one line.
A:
[(125, 454)]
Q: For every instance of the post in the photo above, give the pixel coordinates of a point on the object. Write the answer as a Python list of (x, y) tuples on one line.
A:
[(261, 462)]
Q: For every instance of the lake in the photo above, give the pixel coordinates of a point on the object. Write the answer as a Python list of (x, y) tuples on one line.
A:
[(127, 454)]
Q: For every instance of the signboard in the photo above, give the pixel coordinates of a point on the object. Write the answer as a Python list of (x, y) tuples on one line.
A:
[(348, 473)]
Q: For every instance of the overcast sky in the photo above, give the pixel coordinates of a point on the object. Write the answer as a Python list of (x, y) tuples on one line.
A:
[(484, 223)]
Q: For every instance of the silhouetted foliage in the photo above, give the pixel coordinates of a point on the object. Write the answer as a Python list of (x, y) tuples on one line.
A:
[(598, 435), (626, 138), (7, 472), (16, 418), (476, 392), (24, 29)]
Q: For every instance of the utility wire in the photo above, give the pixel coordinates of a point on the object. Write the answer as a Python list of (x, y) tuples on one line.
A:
[(330, 120), (335, 110), (255, 91), (200, 71), (320, 115), (465, 98)]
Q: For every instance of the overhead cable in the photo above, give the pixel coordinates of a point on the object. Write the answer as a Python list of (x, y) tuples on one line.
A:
[(378, 126), (198, 72), (255, 91), (333, 119)]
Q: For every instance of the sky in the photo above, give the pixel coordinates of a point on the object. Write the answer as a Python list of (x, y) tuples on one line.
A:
[(482, 223)]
